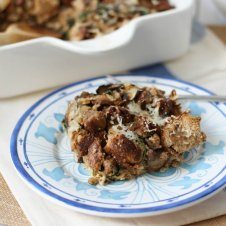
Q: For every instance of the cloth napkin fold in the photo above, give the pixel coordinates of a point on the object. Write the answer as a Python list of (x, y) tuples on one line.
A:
[(204, 64)]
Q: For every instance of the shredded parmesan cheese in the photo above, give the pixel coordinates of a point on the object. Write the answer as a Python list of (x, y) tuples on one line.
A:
[(153, 115)]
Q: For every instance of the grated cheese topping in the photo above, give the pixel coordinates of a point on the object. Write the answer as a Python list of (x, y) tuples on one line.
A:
[(153, 115)]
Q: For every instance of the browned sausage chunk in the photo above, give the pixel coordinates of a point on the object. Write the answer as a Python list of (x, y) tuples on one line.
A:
[(123, 150), (81, 142), (113, 113), (110, 166), (95, 156), (142, 127), (95, 122)]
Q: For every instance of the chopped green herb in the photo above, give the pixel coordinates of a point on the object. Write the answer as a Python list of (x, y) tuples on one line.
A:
[(83, 16), (71, 22), (110, 92), (64, 124)]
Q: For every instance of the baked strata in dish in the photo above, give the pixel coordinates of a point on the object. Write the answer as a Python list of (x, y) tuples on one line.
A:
[(123, 131), (69, 19)]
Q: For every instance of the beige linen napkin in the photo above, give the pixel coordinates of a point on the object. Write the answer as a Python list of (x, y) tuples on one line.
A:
[(204, 64)]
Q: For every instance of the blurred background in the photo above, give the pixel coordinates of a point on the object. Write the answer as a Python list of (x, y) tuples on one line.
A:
[(211, 12)]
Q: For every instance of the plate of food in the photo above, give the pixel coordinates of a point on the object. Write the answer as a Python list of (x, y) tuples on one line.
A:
[(122, 149)]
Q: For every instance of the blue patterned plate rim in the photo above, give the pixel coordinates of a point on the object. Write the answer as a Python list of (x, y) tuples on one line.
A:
[(103, 211)]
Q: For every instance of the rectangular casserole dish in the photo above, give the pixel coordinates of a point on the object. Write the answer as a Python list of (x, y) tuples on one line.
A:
[(48, 62)]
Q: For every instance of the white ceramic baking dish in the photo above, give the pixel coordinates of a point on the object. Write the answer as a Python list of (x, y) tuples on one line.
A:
[(47, 62)]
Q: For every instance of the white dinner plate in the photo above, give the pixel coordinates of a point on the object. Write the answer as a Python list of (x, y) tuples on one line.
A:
[(41, 154)]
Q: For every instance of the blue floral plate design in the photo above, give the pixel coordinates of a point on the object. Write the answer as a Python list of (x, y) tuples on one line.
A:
[(41, 153)]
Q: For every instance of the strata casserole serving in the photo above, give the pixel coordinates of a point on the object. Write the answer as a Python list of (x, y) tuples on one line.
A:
[(124, 131)]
